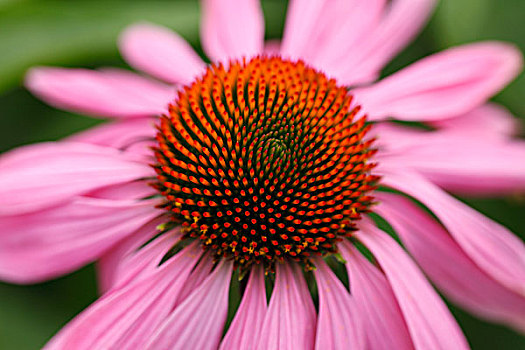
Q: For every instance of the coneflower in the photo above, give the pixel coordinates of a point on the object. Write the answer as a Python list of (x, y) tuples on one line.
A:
[(254, 185)]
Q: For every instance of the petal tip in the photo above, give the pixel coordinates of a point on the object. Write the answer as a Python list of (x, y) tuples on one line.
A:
[(36, 77)]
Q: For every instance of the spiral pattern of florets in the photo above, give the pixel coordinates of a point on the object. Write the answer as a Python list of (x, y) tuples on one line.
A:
[(264, 160)]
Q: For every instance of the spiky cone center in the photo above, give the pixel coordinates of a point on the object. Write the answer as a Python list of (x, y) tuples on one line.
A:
[(264, 161)]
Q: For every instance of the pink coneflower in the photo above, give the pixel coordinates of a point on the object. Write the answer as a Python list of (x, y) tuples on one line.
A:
[(266, 173)]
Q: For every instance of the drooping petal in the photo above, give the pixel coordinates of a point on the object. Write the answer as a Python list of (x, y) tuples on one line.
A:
[(448, 266), (443, 85), (476, 167), (142, 261), (109, 265), (456, 162), (160, 52), (42, 175), (198, 322), (198, 275), (429, 322), (393, 140), (51, 242), (337, 325), (246, 326), (290, 320), (125, 318), (107, 93), (490, 121), (490, 245), (232, 29), (378, 311), (131, 190), (132, 135), (401, 22)]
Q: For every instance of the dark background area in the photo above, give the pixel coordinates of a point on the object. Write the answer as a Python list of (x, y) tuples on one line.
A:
[(83, 33)]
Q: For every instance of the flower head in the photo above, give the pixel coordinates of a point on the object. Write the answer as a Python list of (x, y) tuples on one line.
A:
[(263, 161), (265, 165)]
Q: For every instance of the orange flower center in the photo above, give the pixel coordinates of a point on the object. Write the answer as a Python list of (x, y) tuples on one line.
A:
[(263, 161)]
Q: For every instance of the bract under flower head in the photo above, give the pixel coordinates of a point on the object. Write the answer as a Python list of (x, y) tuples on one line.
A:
[(264, 160)]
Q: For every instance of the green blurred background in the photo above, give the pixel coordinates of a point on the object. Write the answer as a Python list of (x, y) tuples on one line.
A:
[(83, 33)]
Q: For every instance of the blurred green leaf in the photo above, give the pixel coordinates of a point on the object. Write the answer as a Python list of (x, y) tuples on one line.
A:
[(461, 21), (35, 121), (30, 315), (5, 3), (35, 33)]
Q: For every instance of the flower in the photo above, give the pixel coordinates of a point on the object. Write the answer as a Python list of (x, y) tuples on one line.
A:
[(172, 208)]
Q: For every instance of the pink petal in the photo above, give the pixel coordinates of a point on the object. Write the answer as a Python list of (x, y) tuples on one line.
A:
[(290, 320), (232, 29), (143, 261), (456, 162), (443, 85), (448, 266), (54, 241), (324, 29), (490, 121), (325, 33), (108, 93), (377, 308), (128, 190), (337, 324), (429, 321), (132, 135), (125, 318), (198, 275), (245, 328), (109, 265), (198, 322), (491, 246), (400, 24), (160, 52), (301, 18), (394, 140), (272, 47), (345, 23), (42, 175)]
